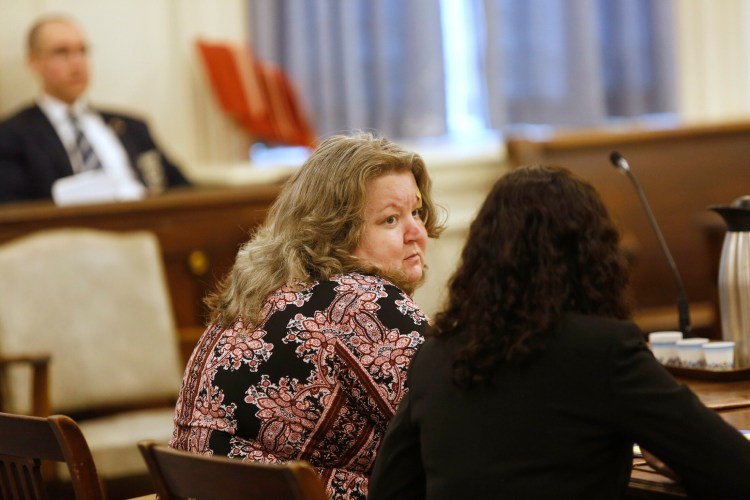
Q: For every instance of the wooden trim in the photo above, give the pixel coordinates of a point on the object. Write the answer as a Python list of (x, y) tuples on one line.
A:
[(40, 399)]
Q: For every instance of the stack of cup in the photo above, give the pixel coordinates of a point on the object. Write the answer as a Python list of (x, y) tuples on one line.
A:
[(664, 347), (690, 352), (719, 355)]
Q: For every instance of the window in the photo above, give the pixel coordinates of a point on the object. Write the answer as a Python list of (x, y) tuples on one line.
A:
[(423, 68)]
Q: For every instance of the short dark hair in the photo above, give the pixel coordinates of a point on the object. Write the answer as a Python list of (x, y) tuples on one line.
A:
[(32, 38), (542, 244)]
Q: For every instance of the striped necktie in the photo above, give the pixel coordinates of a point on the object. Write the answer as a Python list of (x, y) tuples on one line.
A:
[(87, 157)]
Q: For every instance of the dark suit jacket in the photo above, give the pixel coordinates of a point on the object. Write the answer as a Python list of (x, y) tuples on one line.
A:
[(32, 156), (561, 426)]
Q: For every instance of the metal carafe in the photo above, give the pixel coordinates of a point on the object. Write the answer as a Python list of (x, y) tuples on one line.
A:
[(734, 278)]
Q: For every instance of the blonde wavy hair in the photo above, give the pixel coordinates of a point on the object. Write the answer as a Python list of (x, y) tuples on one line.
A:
[(316, 223)]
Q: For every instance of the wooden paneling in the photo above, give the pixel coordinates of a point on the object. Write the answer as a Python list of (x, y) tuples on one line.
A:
[(682, 170), (200, 231)]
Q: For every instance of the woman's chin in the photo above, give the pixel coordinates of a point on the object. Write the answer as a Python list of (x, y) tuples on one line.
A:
[(415, 275), (409, 278)]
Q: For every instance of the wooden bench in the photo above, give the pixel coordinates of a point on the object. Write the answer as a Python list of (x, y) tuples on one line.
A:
[(682, 170)]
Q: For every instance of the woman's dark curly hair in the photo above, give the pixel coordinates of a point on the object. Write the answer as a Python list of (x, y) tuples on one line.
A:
[(542, 245)]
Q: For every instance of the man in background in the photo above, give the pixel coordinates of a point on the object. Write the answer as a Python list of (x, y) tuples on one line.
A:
[(62, 138)]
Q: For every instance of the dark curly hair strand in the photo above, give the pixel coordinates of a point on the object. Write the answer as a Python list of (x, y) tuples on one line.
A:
[(542, 244)]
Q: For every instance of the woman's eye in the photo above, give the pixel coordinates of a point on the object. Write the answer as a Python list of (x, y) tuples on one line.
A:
[(390, 220), (416, 213)]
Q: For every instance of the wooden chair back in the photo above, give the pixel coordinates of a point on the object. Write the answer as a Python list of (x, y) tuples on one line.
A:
[(26, 442), (180, 475)]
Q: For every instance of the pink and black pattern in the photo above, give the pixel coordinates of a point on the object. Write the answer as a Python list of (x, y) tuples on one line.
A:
[(317, 379)]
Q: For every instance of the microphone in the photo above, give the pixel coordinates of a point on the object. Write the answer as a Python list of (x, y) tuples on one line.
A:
[(682, 302)]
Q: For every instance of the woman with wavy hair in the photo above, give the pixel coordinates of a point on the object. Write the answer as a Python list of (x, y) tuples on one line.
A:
[(314, 327), (534, 384)]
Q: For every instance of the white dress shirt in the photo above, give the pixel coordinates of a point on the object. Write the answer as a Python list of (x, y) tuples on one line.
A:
[(117, 171)]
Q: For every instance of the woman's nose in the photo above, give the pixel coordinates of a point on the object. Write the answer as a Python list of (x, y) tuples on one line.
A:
[(415, 230)]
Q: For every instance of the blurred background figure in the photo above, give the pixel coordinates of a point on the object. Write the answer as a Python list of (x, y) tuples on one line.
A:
[(61, 136)]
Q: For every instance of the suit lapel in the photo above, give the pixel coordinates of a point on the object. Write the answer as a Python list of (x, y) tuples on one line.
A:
[(120, 127), (49, 141)]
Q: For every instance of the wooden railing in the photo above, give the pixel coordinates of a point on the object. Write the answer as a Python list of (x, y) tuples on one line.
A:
[(199, 230), (682, 170)]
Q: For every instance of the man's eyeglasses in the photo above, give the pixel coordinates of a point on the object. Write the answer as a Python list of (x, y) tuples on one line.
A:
[(65, 53)]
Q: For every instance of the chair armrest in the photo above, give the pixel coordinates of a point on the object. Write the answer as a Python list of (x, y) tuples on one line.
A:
[(40, 403)]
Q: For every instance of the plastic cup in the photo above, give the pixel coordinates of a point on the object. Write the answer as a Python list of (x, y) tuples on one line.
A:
[(690, 352), (719, 355), (664, 347)]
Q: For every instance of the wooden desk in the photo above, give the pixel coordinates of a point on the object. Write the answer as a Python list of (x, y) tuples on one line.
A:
[(682, 170), (646, 484), (199, 229)]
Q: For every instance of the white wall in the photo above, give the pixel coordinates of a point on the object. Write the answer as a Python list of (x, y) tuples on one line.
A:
[(713, 45), (143, 61), (462, 176)]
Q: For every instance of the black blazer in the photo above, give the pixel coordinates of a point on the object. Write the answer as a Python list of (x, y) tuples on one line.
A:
[(32, 156), (561, 426)]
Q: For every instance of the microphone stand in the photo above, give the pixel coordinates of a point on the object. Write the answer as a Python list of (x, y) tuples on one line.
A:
[(682, 301)]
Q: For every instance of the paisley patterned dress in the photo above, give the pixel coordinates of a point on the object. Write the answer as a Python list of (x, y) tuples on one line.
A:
[(317, 379)]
